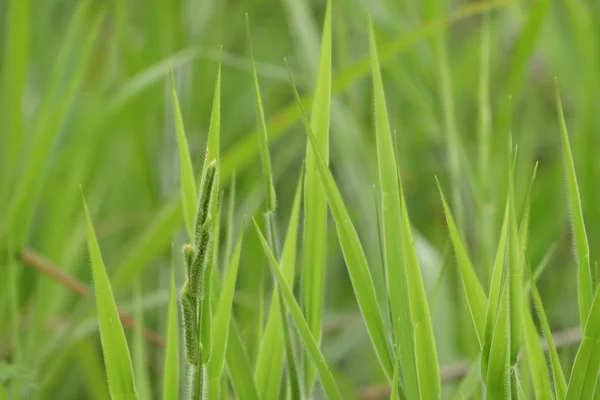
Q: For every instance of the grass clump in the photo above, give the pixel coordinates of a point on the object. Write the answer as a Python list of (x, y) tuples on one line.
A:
[(356, 277)]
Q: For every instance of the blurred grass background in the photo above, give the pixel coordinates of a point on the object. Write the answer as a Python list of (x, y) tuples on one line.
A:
[(85, 101)]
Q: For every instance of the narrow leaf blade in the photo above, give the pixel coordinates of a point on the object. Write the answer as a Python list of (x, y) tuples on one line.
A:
[(304, 330), (584, 276), (354, 255), (188, 182), (119, 369)]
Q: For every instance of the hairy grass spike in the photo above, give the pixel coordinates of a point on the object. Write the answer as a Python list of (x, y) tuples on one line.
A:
[(189, 325), (202, 256), (188, 255), (205, 198)]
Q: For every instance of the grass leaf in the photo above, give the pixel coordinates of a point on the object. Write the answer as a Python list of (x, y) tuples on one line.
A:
[(269, 366), (188, 183), (315, 202), (393, 228), (309, 341), (494, 294), (356, 261), (535, 356), (265, 158), (560, 384), (515, 273), (475, 295), (497, 379), (116, 353), (221, 320), (584, 275), (428, 373)]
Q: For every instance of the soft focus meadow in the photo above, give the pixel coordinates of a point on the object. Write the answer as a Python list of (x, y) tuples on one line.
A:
[(299, 199)]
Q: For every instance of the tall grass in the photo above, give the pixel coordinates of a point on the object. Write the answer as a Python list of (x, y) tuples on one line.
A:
[(339, 286)]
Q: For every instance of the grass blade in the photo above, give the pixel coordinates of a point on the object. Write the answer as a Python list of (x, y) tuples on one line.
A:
[(560, 384), (116, 353), (428, 372), (356, 261), (535, 356), (265, 157), (515, 271), (396, 379), (497, 379), (221, 320), (269, 366), (239, 367), (475, 295), (304, 330), (214, 130), (584, 275), (584, 374), (188, 183), (315, 202), (171, 367), (393, 228), (494, 294)]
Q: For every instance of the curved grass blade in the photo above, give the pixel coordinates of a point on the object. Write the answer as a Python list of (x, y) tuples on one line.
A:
[(393, 228), (476, 298), (171, 367), (315, 201), (536, 357), (309, 341), (221, 320), (584, 275), (188, 182), (119, 370), (356, 261), (269, 366), (427, 364)]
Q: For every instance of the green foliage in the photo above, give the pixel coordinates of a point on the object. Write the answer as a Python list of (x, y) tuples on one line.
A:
[(368, 304), (119, 371)]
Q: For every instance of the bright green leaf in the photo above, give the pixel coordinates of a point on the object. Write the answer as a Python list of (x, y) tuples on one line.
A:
[(116, 353), (396, 268), (188, 183), (584, 275), (304, 330), (356, 261)]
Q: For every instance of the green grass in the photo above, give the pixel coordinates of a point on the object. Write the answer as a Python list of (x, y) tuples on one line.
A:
[(338, 130)]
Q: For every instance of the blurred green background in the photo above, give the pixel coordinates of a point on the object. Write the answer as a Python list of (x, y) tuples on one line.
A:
[(85, 101)]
